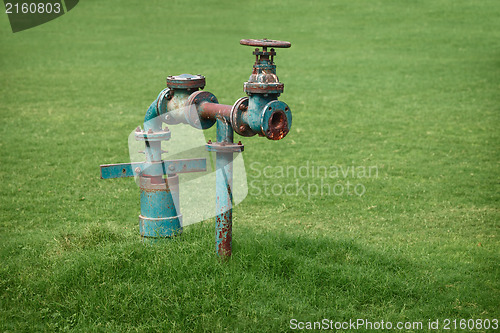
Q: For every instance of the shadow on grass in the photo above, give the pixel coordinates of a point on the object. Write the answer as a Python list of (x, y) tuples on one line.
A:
[(101, 279)]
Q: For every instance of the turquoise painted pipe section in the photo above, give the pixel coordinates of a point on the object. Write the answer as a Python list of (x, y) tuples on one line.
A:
[(223, 190), (152, 119), (256, 104), (160, 213)]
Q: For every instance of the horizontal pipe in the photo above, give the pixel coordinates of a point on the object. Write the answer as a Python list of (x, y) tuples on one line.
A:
[(215, 110)]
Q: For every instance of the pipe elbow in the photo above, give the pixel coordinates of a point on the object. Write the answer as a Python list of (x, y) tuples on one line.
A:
[(156, 109)]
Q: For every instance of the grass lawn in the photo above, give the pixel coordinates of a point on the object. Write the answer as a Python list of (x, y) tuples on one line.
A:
[(410, 88)]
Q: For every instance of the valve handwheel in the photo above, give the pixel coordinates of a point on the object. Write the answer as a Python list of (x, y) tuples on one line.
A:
[(266, 43)]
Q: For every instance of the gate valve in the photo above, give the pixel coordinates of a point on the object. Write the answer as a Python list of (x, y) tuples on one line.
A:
[(264, 79), (261, 112)]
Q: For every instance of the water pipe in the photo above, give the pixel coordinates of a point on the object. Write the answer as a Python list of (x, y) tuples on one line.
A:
[(184, 101)]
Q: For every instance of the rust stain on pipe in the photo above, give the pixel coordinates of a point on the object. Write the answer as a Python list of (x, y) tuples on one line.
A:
[(215, 110)]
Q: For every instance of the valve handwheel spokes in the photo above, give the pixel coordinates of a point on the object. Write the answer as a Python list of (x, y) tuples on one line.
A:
[(266, 43)]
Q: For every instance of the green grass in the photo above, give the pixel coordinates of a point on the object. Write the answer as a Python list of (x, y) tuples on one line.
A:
[(409, 87)]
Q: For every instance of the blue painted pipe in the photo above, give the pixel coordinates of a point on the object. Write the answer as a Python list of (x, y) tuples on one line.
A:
[(160, 213), (223, 190), (155, 110)]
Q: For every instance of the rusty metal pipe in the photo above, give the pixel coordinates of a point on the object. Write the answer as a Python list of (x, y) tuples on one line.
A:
[(215, 110), (224, 193)]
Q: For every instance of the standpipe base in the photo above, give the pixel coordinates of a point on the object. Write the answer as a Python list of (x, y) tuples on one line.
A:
[(160, 227)]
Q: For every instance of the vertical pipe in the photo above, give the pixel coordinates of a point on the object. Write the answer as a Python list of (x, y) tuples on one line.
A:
[(160, 215), (152, 123), (224, 195)]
